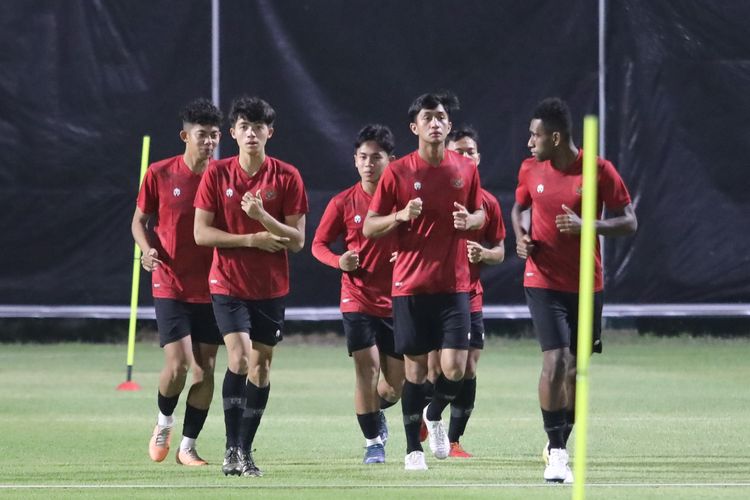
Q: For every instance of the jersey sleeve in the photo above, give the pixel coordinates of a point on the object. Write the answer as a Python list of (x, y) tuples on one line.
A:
[(384, 200), (148, 196), (612, 190), (523, 197), (474, 200), (328, 231), (494, 230), (205, 197), (295, 197)]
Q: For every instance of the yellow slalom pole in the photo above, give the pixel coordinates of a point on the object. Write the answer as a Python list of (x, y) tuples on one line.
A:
[(129, 385), (585, 300)]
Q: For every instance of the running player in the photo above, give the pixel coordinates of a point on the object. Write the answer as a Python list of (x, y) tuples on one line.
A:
[(549, 184), (251, 208), (179, 267), (437, 197), (365, 290)]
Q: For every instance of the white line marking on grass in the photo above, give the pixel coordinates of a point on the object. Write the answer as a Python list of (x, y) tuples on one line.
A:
[(355, 486)]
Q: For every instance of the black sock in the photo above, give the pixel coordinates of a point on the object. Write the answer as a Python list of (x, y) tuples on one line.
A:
[(461, 409), (368, 422), (412, 403), (554, 426), (194, 420), (384, 403), (429, 390), (257, 398), (233, 394), (166, 405), (444, 393), (570, 419)]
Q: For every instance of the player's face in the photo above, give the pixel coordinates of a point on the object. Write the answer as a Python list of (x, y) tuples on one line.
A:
[(540, 142), (251, 137), (467, 147), (432, 125), (370, 160), (201, 140)]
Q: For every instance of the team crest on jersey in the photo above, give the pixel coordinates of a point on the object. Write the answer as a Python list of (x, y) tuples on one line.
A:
[(540, 188), (269, 194), (357, 219), (230, 192), (176, 192), (457, 183), (417, 185)]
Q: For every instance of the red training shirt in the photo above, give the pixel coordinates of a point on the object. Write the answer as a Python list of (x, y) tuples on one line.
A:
[(429, 246), (554, 263), (367, 289), (168, 191), (250, 273), (493, 232)]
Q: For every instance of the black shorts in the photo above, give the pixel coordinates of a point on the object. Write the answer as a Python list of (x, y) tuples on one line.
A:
[(365, 330), (424, 323), (262, 320), (176, 319), (476, 341), (555, 318)]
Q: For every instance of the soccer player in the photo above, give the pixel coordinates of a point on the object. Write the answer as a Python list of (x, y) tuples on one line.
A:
[(437, 198), (465, 140), (365, 289), (187, 329), (549, 183), (251, 208)]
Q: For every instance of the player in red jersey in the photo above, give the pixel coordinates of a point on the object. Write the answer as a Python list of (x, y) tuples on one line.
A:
[(437, 198), (179, 267), (465, 140), (365, 290), (549, 184), (251, 208)]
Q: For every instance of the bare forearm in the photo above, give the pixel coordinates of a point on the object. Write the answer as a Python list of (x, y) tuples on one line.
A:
[(377, 226), (210, 236), (141, 236), (621, 225), (516, 218), (493, 256)]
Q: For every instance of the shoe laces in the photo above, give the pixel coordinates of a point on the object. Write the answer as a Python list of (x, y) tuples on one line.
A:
[(192, 453), (162, 434)]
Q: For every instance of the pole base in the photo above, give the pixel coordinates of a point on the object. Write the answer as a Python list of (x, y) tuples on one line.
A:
[(129, 386)]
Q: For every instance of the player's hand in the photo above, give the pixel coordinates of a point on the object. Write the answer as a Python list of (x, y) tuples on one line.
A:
[(411, 211), (349, 261), (268, 242), (460, 217), (394, 255), (252, 205), (475, 250), (525, 246), (150, 260), (569, 222)]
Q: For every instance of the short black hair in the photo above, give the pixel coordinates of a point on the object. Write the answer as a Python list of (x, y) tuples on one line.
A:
[(555, 116), (432, 100), (253, 109), (380, 134), (462, 131), (201, 111)]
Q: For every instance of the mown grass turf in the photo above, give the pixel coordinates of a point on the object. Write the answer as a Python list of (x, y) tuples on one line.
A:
[(669, 419)]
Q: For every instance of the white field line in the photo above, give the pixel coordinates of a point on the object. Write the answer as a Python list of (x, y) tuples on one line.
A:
[(354, 486)]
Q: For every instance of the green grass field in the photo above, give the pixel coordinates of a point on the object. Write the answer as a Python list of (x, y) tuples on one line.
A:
[(669, 419)]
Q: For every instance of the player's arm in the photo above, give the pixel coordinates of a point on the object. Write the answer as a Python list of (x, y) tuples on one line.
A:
[(207, 235), (293, 227), (328, 231), (490, 256), (150, 258), (463, 220), (622, 223), (376, 225), (524, 244)]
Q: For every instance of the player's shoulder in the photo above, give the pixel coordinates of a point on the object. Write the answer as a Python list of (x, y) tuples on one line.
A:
[(459, 160), (281, 167), (490, 199), (529, 163), (405, 162), (165, 165), (347, 194)]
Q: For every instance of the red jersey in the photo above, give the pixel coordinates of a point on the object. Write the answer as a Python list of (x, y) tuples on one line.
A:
[(554, 263), (250, 273), (168, 191), (368, 288), (493, 232), (429, 246)]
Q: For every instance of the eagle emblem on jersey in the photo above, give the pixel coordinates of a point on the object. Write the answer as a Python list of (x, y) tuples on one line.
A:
[(457, 183), (230, 193), (417, 185), (176, 192), (540, 188), (269, 194), (357, 219)]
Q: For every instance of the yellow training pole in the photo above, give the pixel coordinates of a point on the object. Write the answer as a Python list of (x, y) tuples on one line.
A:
[(129, 385), (585, 300)]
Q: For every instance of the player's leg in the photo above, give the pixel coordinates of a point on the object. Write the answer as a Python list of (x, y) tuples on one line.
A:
[(391, 383), (174, 337)]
